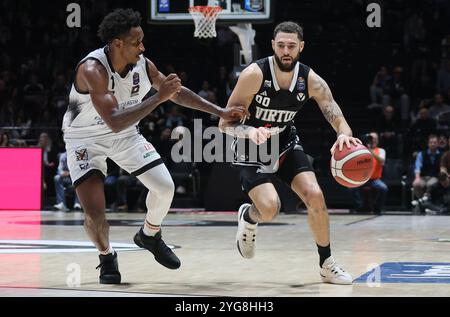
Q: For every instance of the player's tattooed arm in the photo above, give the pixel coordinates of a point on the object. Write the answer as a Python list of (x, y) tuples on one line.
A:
[(320, 91)]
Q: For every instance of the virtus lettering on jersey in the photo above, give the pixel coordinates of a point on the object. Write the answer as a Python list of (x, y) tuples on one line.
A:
[(272, 115)]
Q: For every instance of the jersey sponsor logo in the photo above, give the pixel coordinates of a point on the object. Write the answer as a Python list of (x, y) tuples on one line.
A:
[(134, 91), (135, 78), (272, 115), (81, 155), (84, 166), (301, 84), (128, 103), (301, 96), (264, 93), (267, 84)]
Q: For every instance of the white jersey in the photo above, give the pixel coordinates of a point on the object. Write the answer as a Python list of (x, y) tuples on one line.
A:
[(81, 120)]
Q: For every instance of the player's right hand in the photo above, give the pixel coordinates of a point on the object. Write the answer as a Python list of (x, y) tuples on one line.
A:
[(259, 135), (169, 87)]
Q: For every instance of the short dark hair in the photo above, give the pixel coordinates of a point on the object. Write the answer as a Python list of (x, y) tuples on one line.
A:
[(289, 27), (118, 23)]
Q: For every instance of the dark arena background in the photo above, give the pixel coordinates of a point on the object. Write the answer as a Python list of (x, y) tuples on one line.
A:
[(387, 64)]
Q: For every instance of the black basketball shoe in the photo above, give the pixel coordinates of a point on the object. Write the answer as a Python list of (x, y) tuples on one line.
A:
[(163, 254), (109, 269)]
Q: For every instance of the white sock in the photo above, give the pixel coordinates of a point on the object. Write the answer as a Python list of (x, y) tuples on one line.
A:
[(107, 251), (149, 229)]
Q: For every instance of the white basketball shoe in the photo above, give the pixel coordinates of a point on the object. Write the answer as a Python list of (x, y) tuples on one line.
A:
[(332, 273), (246, 234)]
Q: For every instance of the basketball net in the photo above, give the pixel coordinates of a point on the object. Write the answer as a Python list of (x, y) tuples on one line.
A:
[(246, 35), (205, 20)]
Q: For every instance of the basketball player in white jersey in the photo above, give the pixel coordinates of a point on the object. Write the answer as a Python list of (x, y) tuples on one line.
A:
[(274, 89), (107, 100)]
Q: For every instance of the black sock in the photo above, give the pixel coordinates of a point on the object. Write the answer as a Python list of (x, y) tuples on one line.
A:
[(324, 253), (247, 217)]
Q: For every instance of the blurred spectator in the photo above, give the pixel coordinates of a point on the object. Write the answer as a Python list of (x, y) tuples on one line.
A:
[(443, 78), (437, 108), (49, 155), (4, 139), (427, 167), (59, 96), (378, 95), (438, 197), (396, 93), (375, 182), (445, 160), (164, 146), (182, 170), (223, 86), (175, 118), (422, 128), (124, 182), (207, 93), (414, 32), (22, 124), (388, 127), (442, 143), (34, 95), (62, 180)]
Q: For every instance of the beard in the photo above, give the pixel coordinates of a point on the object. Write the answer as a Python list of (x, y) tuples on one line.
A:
[(286, 68)]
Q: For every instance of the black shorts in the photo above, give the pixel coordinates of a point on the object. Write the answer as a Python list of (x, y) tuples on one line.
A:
[(294, 162)]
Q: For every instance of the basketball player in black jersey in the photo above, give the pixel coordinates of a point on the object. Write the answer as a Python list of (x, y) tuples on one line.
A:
[(274, 89)]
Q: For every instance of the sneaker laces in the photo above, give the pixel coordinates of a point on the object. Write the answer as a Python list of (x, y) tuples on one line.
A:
[(336, 269), (248, 237)]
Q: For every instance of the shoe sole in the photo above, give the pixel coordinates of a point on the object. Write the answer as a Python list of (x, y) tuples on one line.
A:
[(324, 280), (137, 241), (110, 281)]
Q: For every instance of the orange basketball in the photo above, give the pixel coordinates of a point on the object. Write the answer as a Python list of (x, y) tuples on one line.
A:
[(352, 166)]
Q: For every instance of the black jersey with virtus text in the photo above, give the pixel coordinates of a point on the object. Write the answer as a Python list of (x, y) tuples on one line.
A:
[(273, 107)]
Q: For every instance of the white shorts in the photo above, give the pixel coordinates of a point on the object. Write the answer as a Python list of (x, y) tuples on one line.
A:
[(134, 154)]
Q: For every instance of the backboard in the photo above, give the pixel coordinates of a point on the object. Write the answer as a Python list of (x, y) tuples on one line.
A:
[(233, 11)]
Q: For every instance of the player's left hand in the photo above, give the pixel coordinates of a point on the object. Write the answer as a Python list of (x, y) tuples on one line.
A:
[(235, 113), (339, 144)]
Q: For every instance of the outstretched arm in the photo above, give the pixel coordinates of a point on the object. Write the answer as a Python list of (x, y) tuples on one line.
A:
[(246, 88), (189, 99), (318, 90), (93, 78)]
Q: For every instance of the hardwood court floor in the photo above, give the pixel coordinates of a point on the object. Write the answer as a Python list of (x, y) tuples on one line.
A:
[(48, 254)]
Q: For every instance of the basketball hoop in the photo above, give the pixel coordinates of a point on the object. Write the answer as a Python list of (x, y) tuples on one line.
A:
[(205, 20)]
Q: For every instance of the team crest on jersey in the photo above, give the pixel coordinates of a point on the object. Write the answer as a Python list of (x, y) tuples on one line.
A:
[(301, 96), (135, 78), (81, 155), (301, 84), (267, 84), (134, 91)]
